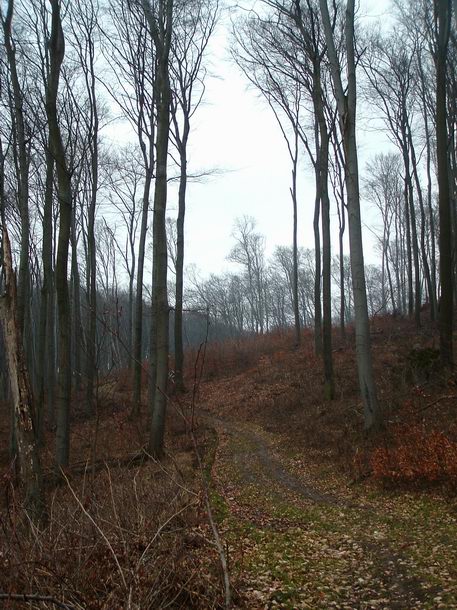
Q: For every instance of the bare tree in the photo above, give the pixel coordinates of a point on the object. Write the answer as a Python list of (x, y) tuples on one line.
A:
[(159, 17), (346, 102), (133, 51), (56, 45), (443, 21), (195, 23)]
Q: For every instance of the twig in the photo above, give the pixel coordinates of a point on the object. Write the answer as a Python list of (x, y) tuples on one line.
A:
[(431, 404), (35, 597), (159, 530), (209, 510), (98, 528)]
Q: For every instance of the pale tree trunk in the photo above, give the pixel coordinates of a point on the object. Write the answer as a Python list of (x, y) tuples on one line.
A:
[(425, 264), (445, 238), (178, 322), (56, 54), (77, 332), (21, 159), (322, 160), (339, 193), (46, 354), (89, 68), (414, 305), (293, 192), (138, 318), (317, 276), (27, 451), (431, 219), (347, 117)]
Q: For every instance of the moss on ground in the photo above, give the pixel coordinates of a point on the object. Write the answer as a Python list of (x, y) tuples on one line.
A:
[(390, 551)]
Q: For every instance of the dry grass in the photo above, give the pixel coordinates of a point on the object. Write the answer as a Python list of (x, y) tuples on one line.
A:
[(124, 532)]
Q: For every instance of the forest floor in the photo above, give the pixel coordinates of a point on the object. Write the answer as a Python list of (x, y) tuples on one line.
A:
[(298, 535), (315, 514), (311, 512)]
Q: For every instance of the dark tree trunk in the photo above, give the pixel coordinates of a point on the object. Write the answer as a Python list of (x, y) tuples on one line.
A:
[(56, 54), (161, 28), (443, 10)]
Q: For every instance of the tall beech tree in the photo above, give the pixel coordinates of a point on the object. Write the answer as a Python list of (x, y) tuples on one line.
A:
[(443, 23), (159, 16), (195, 23), (132, 49), (347, 103), (56, 47), (84, 24)]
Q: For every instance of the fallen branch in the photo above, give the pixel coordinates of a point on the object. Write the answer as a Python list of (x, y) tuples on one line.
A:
[(435, 402), (35, 597)]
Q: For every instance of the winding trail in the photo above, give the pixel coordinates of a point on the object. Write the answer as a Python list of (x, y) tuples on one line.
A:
[(295, 543)]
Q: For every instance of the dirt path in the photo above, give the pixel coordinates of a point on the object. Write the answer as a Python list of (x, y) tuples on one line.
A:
[(294, 543)]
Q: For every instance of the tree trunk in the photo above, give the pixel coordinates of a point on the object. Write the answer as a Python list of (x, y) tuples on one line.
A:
[(91, 341), (425, 265), (138, 318), (293, 192), (46, 332), (178, 322), (322, 160), (57, 50), (29, 460), (161, 28), (347, 117), (443, 9), (21, 158), (317, 276), (77, 332)]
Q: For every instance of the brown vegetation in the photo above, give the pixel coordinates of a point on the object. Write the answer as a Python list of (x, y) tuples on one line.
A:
[(126, 531)]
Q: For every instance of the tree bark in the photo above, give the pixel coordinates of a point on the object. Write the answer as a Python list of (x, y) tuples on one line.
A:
[(56, 54), (293, 192), (178, 321), (29, 460), (322, 161), (21, 156), (161, 29), (443, 10), (347, 117), (46, 351)]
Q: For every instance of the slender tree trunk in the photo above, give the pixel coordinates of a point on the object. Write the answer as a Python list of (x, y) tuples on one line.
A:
[(347, 116), (425, 265), (322, 162), (178, 321), (431, 219), (91, 342), (138, 318), (317, 276), (46, 332), (293, 192), (445, 239), (77, 333), (415, 305), (57, 50), (161, 28), (22, 167)]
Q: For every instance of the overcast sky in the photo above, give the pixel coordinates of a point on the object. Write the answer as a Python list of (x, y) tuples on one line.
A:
[(235, 132)]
